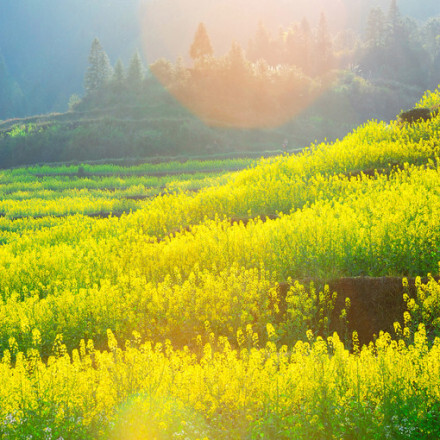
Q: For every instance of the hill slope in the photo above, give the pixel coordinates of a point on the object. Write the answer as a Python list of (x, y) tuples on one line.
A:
[(111, 125), (234, 346)]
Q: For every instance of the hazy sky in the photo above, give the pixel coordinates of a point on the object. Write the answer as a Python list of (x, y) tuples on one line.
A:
[(169, 25)]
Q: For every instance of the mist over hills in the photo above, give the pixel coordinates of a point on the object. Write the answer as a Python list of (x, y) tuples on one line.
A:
[(45, 44)]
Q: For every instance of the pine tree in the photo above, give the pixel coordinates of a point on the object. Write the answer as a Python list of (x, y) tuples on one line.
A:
[(323, 46), (395, 28), (135, 74), (99, 71), (118, 73), (201, 45), (375, 30), (238, 65), (260, 47)]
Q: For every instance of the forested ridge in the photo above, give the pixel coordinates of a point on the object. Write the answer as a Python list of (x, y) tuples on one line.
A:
[(281, 91)]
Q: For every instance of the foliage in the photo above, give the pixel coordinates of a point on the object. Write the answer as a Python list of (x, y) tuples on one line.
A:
[(284, 91), (118, 78)]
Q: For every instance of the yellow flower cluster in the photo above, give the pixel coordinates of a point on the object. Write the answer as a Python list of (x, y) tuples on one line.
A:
[(218, 392)]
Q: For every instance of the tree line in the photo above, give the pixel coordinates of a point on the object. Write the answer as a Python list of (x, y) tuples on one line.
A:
[(278, 76)]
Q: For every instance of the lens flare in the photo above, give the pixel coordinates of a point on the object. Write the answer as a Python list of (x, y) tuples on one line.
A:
[(147, 417), (276, 78)]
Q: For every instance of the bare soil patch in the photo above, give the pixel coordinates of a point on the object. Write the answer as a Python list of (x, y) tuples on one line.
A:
[(376, 303)]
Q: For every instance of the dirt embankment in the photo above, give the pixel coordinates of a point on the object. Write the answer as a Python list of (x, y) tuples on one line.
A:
[(376, 303)]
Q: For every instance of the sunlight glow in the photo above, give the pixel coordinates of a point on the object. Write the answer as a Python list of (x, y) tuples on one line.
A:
[(142, 418), (255, 74)]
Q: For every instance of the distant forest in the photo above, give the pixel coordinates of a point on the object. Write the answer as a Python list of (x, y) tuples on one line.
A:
[(278, 91), (43, 48), (279, 76)]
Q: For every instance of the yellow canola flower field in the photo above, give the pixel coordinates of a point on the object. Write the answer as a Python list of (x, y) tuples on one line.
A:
[(315, 388), (125, 280), (197, 274)]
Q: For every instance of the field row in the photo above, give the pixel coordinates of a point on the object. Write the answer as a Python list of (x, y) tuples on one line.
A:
[(144, 169), (316, 389)]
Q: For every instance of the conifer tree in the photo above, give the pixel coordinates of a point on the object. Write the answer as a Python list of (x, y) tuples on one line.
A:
[(135, 73), (375, 30), (260, 46), (236, 57), (323, 45), (99, 70), (395, 28), (293, 45), (201, 45), (118, 73), (238, 65)]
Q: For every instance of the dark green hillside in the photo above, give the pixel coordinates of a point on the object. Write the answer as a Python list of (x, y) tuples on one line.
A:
[(111, 125)]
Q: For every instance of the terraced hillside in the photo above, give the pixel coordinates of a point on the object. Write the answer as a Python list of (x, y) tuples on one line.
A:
[(141, 305), (126, 133)]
